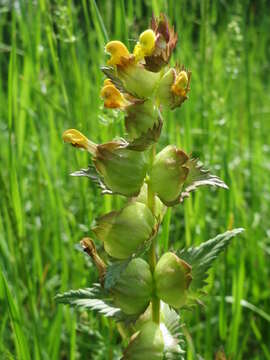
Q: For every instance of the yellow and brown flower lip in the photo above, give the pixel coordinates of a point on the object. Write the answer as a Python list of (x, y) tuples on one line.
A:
[(77, 139)]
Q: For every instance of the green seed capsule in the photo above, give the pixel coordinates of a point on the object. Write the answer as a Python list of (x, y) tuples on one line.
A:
[(169, 173), (164, 89), (123, 170), (138, 81), (172, 278), (146, 344), (140, 118), (122, 232), (133, 290)]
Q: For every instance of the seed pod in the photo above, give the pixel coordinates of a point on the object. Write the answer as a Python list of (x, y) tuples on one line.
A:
[(123, 170), (146, 344), (141, 118), (122, 232), (168, 173), (133, 290), (172, 278), (136, 80)]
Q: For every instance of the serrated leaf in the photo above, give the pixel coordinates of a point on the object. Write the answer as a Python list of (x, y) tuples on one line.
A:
[(171, 334), (199, 176), (92, 174), (94, 298), (202, 256)]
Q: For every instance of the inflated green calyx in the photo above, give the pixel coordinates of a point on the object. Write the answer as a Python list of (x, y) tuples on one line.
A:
[(122, 232), (132, 292), (172, 278), (146, 344)]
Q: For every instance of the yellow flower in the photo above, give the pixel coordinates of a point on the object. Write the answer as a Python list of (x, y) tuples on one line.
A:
[(146, 45), (180, 85), (77, 139), (112, 97), (117, 50)]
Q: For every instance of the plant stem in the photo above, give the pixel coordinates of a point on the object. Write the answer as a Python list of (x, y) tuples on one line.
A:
[(152, 251)]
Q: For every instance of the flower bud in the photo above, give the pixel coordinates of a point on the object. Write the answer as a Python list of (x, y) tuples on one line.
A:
[(118, 52), (77, 139), (132, 292), (112, 97), (146, 45), (122, 232), (180, 84), (146, 344), (123, 170), (172, 278), (173, 88), (168, 173)]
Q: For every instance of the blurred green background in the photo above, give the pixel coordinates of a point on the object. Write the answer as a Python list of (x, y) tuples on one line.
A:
[(50, 55)]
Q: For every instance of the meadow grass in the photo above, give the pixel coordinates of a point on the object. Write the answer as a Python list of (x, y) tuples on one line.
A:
[(50, 55)]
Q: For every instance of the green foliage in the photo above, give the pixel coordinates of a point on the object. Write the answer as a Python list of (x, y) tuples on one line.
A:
[(201, 258), (174, 338), (94, 298), (198, 176)]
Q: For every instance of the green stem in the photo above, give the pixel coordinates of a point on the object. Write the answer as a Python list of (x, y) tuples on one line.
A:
[(152, 252)]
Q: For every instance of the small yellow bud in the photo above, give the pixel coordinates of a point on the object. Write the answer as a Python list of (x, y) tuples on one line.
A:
[(180, 84), (147, 41), (113, 99), (77, 139), (117, 50), (145, 46)]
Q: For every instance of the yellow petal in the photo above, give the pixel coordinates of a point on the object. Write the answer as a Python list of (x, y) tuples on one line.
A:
[(112, 97), (117, 50), (180, 84), (138, 52), (107, 82), (147, 41), (77, 139)]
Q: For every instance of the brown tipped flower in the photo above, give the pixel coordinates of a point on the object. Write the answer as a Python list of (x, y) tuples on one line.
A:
[(77, 139), (172, 278), (165, 42)]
